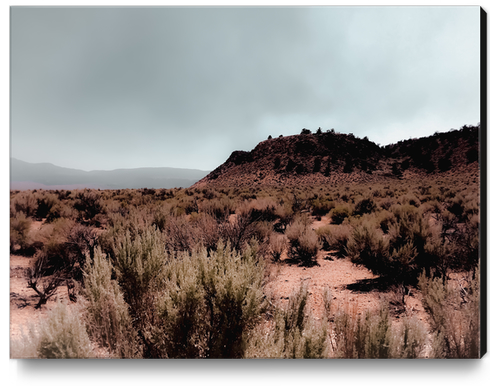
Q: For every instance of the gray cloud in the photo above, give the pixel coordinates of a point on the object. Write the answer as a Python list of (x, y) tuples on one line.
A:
[(103, 88)]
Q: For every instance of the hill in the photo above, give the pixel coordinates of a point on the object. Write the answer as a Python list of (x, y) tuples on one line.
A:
[(25, 175), (330, 157)]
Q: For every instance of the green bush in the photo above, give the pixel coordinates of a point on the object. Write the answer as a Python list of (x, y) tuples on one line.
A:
[(138, 261), (207, 304), (108, 319)]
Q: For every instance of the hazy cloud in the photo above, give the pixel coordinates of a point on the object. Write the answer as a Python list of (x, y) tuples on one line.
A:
[(105, 88)]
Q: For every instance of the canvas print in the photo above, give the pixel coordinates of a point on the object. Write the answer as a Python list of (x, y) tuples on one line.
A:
[(247, 182)]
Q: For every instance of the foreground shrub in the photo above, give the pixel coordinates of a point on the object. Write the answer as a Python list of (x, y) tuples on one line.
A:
[(138, 261), (373, 335), (454, 311), (408, 340), (207, 304), (293, 333), (62, 335), (108, 318)]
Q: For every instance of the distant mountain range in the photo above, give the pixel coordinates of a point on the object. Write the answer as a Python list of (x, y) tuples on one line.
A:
[(329, 157), (25, 175)]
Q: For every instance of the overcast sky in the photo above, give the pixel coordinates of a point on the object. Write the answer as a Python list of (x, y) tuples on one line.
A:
[(107, 88)]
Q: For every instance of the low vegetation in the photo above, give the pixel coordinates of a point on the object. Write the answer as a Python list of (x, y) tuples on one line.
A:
[(181, 273)]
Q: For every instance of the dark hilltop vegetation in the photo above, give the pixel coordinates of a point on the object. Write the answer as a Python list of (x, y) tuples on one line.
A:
[(330, 157), (316, 245)]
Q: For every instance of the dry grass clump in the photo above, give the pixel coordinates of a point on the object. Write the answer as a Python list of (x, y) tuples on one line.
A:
[(454, 309), (292, 334), (373, 335), (62, 335), (277, 245)]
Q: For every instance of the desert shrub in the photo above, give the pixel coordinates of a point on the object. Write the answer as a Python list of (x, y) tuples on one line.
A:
[(339, 213), (208, 303), (385, 219), (260, 209), (45, 203), (45, 286), (285, 213), (386, 203), (277, 245), (334, 238), (321, 206), (206, 231), (364, 206), (160, 218), (410, 199), (410, 246), (454, 310), (59, 253), (107, 314), (293, 333), (220, 208), (238, 232), (409, 339), (89, 204), (179, 234), (19, 232), (24, 202), (138, 261), (64, 335), (303, 242), (61, 210), (369, 335), (367, 246), (61, 336), (82, 240)]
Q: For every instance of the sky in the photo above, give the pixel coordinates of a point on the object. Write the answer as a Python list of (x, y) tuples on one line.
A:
[(126, 87)]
